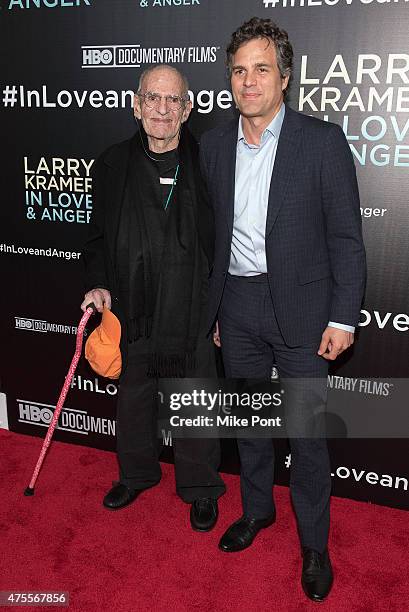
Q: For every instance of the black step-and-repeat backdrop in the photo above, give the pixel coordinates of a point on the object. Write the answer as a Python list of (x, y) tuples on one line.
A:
[(69, 70)]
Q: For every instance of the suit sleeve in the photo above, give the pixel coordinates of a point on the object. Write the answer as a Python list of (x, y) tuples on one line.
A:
[(93, 251), (346, 249)]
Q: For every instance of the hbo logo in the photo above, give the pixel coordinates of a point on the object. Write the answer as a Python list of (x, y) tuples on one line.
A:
[(24, 323), (35, 414), (96, 57)]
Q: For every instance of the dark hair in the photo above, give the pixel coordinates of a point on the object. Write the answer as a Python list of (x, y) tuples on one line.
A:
[(263, 28)]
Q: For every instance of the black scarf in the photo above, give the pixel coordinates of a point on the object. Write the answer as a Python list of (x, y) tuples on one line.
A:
[(161, 266)]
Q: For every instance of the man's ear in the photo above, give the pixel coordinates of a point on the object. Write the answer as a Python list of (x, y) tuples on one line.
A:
[(186, 111), (284, 83), (137, 106)]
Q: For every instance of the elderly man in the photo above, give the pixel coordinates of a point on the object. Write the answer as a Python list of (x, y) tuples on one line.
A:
[(288, 276), (147, 257)]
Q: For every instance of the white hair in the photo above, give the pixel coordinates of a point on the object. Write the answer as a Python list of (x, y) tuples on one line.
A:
[(148, 71)]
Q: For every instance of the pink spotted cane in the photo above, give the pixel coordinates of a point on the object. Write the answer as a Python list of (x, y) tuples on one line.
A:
[(47, 440)]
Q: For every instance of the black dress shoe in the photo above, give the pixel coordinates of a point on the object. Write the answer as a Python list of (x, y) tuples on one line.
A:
[(120, 496), (317, 577), (203, 514), (242, 533)]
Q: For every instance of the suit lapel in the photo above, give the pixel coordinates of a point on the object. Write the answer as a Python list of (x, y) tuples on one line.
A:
[(227, 166), (283, 175), (117, 163)]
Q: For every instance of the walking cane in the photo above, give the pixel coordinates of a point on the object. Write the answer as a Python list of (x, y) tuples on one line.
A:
[(47, 440)]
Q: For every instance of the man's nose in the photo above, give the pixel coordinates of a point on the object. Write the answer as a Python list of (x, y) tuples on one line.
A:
[(163, 106), (249, 79)]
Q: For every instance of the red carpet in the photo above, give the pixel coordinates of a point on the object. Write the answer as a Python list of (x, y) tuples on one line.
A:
[(146, 558)]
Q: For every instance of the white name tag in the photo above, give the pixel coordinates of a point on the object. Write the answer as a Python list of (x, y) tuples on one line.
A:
[(166, 181)]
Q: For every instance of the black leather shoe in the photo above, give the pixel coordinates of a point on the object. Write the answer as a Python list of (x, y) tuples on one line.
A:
[(317, 577), (120, 496), (242, 533), (203, 514)]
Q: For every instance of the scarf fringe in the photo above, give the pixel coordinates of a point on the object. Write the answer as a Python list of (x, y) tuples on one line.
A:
[(171, 366)]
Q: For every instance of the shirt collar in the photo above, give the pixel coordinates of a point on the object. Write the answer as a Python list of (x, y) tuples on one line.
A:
[(274, 127)]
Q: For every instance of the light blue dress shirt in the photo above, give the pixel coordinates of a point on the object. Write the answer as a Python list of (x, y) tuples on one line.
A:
[(254, 168)]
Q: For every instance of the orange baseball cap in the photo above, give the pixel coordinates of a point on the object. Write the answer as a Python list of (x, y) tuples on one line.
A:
[(102, 347)]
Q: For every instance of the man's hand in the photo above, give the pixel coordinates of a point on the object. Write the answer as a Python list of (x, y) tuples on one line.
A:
[(334, 342), (216, 335), (99, 297)]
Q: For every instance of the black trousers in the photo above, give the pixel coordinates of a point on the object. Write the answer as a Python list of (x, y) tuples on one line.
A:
[(138, 444), (251, 344)]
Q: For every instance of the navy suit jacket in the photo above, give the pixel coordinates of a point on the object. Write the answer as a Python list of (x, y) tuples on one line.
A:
[(314, 248)]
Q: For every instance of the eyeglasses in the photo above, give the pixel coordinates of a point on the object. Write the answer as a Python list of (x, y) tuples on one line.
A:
[(153, 100)]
